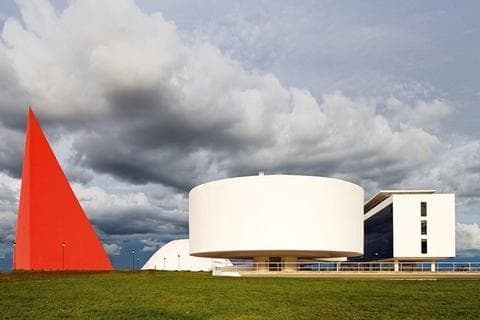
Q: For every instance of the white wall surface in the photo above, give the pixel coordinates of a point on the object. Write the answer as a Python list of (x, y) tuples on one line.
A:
[(276, 215), (440, 225), (166, 258)]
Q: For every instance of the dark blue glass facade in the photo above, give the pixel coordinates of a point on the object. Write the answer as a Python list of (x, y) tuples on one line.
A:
[(378, 236)]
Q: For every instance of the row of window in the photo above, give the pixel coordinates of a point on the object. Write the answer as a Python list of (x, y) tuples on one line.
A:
[(423, 227)]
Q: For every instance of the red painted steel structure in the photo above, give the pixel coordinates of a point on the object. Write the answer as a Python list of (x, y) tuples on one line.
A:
[(53, 232)]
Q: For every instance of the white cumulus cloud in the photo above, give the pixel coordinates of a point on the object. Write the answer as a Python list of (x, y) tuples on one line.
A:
[(468, 236), (112, 249)]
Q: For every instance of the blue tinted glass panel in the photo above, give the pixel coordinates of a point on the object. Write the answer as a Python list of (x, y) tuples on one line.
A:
[(378, 236)]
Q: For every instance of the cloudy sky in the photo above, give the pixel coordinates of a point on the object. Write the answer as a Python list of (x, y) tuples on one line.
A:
[(141, 100)]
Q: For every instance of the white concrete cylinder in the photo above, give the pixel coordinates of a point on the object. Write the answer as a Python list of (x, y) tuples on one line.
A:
[(276, 216)]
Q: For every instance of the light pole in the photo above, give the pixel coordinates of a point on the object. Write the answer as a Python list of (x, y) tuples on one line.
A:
[(63, 255), (133, 260), (164, 263), (13, 255), (138, 263), (178, 256)]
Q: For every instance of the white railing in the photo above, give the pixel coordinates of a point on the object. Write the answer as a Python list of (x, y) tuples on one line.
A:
[(458, 266), (316, 266)]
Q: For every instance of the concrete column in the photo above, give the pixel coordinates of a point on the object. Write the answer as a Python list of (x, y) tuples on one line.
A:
[(290, 264), (396, 265), (261, 263), (433, 266)]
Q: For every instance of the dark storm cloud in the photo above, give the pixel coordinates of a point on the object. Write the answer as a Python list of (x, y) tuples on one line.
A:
[(137, 221), (150, 211), (12, 96), (11, 150), (137, 164), (157, 117), (172, 149)]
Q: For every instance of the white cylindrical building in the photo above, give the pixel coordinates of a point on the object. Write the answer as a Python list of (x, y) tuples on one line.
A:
[(276, 216)]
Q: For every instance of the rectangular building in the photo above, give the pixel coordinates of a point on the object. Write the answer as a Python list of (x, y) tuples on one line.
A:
[(409, 225)]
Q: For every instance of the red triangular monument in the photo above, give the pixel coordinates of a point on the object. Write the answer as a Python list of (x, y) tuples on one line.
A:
[(53, 232)]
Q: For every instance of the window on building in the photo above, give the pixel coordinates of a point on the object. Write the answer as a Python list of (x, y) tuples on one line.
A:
[(424, 245), (424, 227), (423, 209), (274, 263)]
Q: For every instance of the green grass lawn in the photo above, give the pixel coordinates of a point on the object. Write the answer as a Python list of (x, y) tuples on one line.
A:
[(191, 295)]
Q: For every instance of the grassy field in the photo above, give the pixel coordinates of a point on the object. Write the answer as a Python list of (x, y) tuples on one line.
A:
[(184, 295)]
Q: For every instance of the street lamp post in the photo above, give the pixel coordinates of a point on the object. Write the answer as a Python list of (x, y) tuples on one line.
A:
[(138, 263), (13, 255), (133, 260), (178, 256), (63, 255)]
